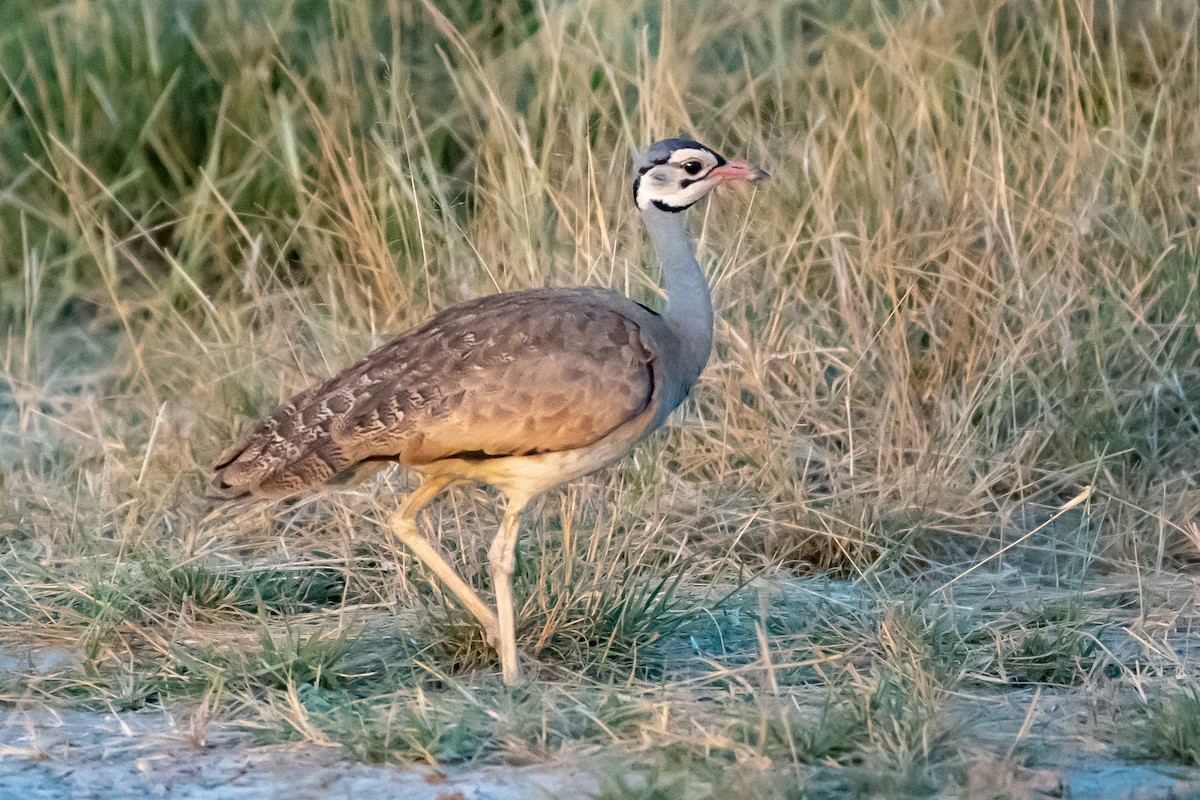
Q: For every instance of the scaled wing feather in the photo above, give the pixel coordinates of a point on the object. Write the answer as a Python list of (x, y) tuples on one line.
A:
[(512, 374)]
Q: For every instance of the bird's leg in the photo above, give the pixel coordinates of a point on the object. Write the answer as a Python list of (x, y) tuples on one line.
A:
[(403, 524), (501, 561)]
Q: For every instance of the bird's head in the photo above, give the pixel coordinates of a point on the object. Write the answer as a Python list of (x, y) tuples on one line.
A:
[(674, 173)]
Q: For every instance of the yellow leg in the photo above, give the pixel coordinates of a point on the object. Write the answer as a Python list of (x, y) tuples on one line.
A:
[(403, 524), (501, 561)]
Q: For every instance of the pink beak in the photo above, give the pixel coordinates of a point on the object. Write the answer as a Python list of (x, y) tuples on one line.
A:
[(735, 170)]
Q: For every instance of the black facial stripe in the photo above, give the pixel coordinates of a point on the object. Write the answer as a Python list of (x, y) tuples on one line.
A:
[(636, 182), (686, 182), (661, 206)]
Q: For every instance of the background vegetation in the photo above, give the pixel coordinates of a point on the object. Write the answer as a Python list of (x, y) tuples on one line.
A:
[(958, 342)]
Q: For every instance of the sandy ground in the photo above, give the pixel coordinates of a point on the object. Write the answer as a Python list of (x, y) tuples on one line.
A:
[(46, 755), (1030, 743), (1063, 755)]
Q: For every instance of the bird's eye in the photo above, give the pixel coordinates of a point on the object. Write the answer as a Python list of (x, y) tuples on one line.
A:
[(692, 167)]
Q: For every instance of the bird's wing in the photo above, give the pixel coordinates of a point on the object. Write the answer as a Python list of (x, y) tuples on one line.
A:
[(511, 374)]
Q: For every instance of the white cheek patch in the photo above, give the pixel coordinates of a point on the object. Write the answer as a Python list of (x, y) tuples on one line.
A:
[(672, 187), (682, 197)]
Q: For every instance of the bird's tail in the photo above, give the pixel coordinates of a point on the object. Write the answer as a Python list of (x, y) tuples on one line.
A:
[(266, 464), (229, 481), (284, 455)]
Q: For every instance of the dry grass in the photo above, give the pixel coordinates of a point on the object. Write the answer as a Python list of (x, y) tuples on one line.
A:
[(966, 301)]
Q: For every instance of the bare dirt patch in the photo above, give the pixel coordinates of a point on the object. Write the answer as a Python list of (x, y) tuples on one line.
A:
[(133, 756), (1039, 740)]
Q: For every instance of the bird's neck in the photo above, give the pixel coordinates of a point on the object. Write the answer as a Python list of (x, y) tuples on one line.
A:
[(689, 310)]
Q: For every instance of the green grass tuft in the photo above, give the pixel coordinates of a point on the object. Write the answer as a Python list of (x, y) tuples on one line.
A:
[(1171, 730)]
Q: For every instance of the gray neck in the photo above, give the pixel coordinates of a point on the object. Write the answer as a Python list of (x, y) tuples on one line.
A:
[(689, 310)]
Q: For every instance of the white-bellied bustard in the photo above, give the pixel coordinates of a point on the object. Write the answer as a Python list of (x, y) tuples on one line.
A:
[(523, 391)]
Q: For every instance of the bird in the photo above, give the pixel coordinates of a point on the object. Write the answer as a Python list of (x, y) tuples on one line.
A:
[(522, 391)]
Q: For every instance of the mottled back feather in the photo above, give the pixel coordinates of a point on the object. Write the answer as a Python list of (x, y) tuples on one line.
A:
[(537, 371)]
